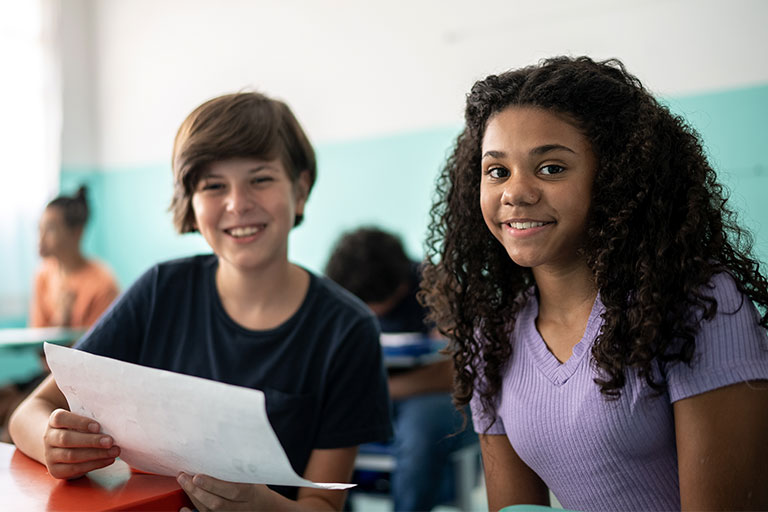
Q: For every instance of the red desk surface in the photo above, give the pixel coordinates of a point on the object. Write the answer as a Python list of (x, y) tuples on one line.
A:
[(26, 485)]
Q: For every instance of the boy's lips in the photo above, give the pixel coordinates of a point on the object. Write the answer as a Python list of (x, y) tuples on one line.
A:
[(244, 231)]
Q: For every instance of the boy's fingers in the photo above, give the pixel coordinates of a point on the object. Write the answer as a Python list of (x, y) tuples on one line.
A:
[(61, 418), (77, 470), (78, 456), (63, 438)]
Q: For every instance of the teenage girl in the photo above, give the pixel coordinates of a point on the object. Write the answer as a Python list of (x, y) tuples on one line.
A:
[(600, 299)]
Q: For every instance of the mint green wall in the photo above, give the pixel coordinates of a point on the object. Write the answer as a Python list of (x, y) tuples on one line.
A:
[(389, 181), (386, 181), (734, 127)]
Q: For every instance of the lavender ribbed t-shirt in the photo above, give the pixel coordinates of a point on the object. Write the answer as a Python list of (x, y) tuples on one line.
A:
[(596, 454)]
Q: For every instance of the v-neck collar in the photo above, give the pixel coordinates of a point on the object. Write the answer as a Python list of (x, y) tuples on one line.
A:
[(558, 373)]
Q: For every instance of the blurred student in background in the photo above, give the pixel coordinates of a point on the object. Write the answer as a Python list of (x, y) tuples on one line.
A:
[(372, 264), (70, 290)]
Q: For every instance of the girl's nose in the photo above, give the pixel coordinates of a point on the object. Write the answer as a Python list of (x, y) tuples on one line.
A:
[(521, 189)]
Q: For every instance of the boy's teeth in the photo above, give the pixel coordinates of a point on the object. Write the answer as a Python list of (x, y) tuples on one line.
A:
[(240, 232), (525, 225)]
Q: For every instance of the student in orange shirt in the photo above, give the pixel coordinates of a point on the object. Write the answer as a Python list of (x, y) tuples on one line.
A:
[(70, 289)]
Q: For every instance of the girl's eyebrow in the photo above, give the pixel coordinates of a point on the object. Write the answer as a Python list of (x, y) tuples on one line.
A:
[(539, 150)]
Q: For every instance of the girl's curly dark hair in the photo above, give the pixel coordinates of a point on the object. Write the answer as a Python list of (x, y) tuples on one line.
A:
[(658, 230)]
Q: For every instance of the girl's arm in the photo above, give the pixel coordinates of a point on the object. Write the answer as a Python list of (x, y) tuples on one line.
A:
[(333, 465), (68, 444), (722, 448), (508, 480)]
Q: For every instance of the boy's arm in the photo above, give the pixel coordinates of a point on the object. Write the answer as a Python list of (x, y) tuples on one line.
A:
[(68, 444), (432, 378)]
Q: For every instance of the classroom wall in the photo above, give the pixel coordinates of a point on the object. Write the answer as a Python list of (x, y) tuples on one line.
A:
[(379, 87)]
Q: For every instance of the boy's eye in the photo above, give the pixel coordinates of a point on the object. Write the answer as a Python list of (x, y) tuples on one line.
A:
[(261, 179), (210, 185), (551, 169), (497, 172)]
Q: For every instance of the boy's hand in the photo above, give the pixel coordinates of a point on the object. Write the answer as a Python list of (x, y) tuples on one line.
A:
[(74, 446)]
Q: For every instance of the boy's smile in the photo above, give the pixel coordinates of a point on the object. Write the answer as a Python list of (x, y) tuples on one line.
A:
[(245, 208)]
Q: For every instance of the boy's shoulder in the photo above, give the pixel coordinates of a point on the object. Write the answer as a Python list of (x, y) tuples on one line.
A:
[(335, 297)]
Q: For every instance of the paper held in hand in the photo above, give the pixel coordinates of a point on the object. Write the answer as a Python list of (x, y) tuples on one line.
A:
[(166, 422)]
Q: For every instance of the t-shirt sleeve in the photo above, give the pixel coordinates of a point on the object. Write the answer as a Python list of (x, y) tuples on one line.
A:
[(355, 408), (104, 293), (730, 348), (37, 316), (120, 331), (485, 422)]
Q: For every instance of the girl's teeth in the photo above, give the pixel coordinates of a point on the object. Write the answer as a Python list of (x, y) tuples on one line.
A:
[(525, 225)]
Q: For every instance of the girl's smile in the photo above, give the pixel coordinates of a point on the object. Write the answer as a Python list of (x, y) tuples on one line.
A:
[(535, 191)]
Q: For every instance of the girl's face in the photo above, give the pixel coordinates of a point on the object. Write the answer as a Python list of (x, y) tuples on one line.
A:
[(536, 186), (245, 208), (56, 239)]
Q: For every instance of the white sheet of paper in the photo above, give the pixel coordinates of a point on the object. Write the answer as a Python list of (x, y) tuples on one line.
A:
[(166, 422)]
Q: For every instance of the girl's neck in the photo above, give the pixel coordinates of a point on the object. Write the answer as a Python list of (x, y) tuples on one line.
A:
[(262, 298), (565, 295)]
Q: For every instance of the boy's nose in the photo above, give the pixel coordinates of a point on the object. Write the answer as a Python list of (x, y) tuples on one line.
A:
[(239, 200)]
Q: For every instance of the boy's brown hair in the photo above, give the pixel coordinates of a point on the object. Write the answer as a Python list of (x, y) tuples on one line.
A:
[(240, 125)]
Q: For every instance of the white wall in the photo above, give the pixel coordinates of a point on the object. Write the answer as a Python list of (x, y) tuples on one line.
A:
[(348, 68)]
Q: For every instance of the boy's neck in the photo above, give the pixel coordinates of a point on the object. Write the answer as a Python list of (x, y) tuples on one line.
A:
[(262, 298)]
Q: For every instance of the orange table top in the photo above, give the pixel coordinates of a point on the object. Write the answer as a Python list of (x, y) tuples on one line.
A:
[(26, 485)]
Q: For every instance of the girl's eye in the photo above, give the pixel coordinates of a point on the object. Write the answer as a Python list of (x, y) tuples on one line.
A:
[(551, 169), (497, 172)]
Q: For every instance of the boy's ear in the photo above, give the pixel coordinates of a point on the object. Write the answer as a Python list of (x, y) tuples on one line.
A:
[(302, 191)]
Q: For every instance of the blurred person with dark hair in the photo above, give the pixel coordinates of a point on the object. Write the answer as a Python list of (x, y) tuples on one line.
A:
[(372, 264), (70, 289)]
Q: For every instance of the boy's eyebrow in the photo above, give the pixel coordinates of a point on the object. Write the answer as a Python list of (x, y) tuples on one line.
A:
[(539, 150), (255, 168)]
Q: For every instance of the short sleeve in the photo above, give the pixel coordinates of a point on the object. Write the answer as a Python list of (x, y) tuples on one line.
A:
[(355, 407), (119, 332), (37, 316), (485, 422), (730, 348)]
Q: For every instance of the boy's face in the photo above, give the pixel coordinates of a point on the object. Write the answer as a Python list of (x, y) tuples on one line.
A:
[(245, 208)]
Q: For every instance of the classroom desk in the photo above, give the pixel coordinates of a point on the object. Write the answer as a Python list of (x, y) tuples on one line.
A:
[(409, 350), (26, 485), (35, 336)]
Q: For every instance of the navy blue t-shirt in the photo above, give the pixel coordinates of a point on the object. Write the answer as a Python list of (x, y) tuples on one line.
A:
[(321, 370)]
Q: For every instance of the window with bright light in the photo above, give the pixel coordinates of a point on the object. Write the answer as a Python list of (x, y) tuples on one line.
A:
[(30, 102)]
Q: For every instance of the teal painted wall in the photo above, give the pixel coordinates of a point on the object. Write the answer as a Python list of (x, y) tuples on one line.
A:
[(386, 181), (389, 181)]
